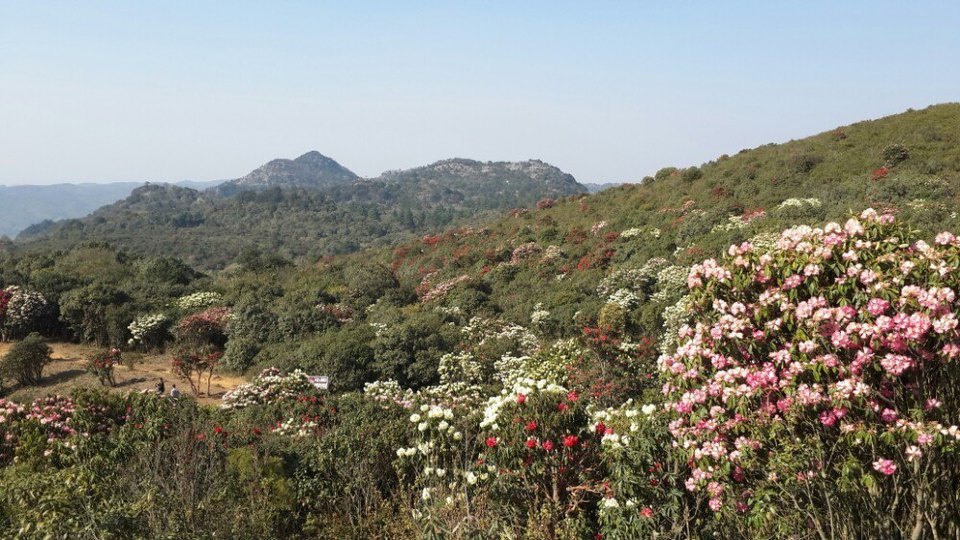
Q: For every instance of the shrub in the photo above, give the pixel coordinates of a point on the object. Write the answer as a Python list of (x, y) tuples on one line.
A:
[(239, 355), (26, 360), (691, 173), (895, 154), (192, 363), (664, 173), (149, 331), (818, 368), (804, 163), (21, 312), (204, 329), (102, 363), (198, 300)]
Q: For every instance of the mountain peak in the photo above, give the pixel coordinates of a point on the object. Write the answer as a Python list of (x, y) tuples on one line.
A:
[(311, 170), (315, 157)]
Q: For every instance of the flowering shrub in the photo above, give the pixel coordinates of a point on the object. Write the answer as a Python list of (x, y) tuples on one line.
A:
[(192, 364), (149, 331), (440, 461), (206, 328), (833, 355), (46, 428), (269, 387), (524, 252), (21, 312), (101, 365), (539, 446), (441, 290), (799, 203), (198, 300)]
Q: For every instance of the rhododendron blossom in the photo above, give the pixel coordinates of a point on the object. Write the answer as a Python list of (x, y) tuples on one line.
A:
[(848, 332)]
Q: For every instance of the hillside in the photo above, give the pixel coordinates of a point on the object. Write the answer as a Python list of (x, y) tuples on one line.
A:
[(307, 207), (909, 163), (567, 256)]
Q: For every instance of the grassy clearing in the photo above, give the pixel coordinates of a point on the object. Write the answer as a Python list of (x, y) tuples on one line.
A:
[(67, 372)]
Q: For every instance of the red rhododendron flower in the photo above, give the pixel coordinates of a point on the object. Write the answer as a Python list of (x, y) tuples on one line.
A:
[(521, 398), (601, 428), (562, 407), (647, 512), (531, 443), (570, 441), (491, 442), (572, 396), (531, 425), (548, 446)]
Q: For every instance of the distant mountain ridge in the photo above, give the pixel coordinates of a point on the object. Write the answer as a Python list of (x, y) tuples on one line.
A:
[(310, 206)]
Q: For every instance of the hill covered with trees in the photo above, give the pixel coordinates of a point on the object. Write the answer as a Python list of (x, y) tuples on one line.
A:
[(305, 208)]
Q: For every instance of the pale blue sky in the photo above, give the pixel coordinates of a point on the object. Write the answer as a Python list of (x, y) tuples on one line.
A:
[(135, 90)]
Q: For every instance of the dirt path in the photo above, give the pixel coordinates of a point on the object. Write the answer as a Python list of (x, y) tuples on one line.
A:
[(67, 372)]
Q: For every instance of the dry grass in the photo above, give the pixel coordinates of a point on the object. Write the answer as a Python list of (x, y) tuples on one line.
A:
[(67, 372)]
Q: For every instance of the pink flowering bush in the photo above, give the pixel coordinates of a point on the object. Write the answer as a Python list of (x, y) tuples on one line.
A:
[(49, 428), (205, 328), (822, 377)]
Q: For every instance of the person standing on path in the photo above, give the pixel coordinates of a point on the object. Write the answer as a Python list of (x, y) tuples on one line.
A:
[(174, 392)]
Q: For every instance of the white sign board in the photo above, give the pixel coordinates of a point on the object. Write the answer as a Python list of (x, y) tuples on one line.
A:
[(320, 382)]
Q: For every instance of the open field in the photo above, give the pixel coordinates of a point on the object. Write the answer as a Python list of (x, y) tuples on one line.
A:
[(67, 372)]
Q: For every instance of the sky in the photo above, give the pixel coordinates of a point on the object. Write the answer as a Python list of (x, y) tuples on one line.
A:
[(608, 91)]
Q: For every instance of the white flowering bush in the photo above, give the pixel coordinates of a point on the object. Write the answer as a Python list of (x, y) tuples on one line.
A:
[(799, 203), (149, 331), (198, 301), (643, 474), (269, 387), (440, 462), (21, 312)]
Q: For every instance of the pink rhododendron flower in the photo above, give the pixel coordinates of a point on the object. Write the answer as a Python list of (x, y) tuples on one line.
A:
[(885, 466)]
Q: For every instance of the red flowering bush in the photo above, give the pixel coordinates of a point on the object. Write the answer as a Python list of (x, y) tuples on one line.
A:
[(879, 174), (193, 364), (825, 365), (540, 449), (200, 342), (101, 365)]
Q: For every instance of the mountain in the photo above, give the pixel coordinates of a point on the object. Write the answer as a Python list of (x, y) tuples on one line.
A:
[(463, 182), (307, 207), (311, 170)]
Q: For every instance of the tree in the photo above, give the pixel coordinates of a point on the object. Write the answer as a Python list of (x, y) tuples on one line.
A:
[(24, 363)]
